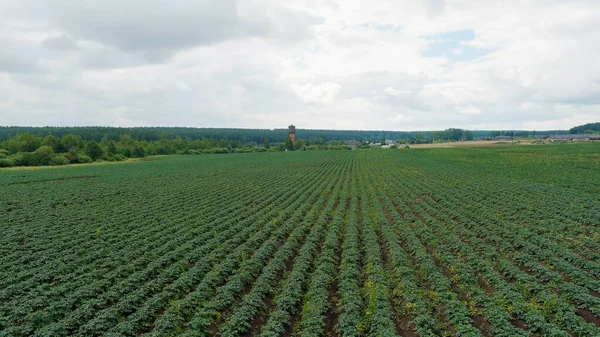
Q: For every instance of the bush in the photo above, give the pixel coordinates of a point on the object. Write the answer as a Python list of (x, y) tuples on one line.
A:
[(119, 157), (42, 156), (83, 159), (6, 162), (58, 160), (216, 151), (23, 159)]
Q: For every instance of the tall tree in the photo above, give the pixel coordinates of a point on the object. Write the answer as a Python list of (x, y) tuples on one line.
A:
[(111, 147), (93, 150), (53, 142), (288, 143)]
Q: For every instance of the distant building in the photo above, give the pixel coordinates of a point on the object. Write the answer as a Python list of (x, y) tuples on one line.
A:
[(571, 138), (292, 133), (352, 144), (390, 142)]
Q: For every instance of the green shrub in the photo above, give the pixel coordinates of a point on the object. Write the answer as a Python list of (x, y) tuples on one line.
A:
[(42, 156), (119, 157), (83, 159), (216, 151), (71, 156), (58, 160), (6, 162), (23, 159)]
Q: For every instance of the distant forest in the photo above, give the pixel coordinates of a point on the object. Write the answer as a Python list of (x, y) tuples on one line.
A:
[(242, 135), (35, 146), (586, 128)]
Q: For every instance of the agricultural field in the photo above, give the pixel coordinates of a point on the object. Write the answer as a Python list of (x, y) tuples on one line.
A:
[(498, 241)]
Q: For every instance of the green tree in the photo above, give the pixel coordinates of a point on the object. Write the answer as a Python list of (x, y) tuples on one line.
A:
[(318, 141), (288, 143), (42, 156), (266, 142), (126, 140), (299, 144), (138, 151), (28, 143), (589, 132), (53, 142), (12, 146), (94, 150), (69, 141), (111, 148)]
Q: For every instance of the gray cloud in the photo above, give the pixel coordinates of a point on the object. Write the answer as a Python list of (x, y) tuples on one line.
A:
[(17, 57), (150, 25), (17, 64), (319, 64), (60, 43)]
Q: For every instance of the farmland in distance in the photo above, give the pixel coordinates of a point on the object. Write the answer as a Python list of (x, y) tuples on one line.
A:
[(501, 241)]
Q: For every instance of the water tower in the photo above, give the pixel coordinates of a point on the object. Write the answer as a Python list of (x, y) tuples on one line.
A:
[(292, 132)]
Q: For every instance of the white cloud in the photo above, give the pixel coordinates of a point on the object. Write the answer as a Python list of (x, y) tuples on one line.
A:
[(468, 110), (317, 63), (400, 118), (396, 92), (183, 86), (529, 106), (320, 93), (565, 114)]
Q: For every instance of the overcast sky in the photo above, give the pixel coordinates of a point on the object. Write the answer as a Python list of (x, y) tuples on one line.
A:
[(329, 64)]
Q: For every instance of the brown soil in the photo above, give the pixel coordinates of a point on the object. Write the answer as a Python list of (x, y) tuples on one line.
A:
[(483, 325), (588, 316), (332, 315), (519, 323), (405, 326), (261, 318), (486, 287)]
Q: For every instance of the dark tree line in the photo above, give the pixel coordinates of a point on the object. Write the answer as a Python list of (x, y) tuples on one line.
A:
[(586, 128), (242, 135)]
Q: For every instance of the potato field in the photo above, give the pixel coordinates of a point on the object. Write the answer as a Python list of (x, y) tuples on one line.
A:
[(501, 241)]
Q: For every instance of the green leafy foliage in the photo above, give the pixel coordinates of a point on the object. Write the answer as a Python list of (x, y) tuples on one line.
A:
[(497, 241)]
